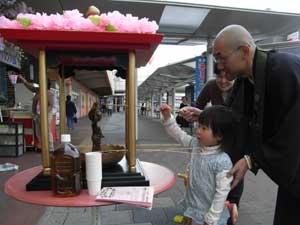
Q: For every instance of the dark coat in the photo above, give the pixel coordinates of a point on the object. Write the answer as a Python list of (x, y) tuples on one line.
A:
[(179, 119), (275, 123), (70, 108), (241, 102)]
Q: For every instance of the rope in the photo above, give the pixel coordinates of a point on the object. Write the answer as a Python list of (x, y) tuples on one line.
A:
[(182, 150), (125, 105)]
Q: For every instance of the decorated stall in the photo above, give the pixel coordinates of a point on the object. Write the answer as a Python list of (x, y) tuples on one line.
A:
[(99, 41)]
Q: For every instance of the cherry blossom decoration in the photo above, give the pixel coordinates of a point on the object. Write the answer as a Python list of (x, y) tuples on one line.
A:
[(74, 20)]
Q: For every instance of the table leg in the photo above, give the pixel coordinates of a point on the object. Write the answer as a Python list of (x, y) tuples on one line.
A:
[(96, 216)]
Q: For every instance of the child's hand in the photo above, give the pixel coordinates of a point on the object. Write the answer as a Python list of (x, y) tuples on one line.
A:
[(165, 111)]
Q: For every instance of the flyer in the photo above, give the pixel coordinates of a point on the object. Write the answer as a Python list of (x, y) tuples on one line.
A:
[(139, 196)]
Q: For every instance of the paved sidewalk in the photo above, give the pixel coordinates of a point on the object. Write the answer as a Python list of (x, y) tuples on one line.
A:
[(256, 208)]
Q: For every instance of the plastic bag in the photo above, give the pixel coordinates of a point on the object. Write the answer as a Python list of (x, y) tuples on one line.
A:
[(75, 119)]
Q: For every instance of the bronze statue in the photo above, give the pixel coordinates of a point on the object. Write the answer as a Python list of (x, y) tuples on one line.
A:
[(95, 116)]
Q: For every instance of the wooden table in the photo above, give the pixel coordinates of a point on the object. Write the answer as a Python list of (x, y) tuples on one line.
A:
[(161, 178)]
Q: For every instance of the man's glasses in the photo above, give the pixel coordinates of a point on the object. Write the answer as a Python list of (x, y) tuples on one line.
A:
[(218, 58)]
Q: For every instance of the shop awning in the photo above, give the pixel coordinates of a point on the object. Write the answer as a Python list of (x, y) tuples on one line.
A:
[(165, 78)]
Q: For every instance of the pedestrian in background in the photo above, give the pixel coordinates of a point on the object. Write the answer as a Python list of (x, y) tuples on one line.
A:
[(183, 123), (109, 108), (70, 112), (143, 109)]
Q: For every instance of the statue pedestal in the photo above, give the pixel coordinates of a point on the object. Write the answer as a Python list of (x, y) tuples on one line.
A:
[(118, 175)]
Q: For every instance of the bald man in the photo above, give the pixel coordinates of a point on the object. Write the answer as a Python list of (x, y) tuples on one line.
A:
[(267, 92)]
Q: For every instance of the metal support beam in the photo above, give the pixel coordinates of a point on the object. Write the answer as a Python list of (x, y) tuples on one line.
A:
[(152, 104), (209, 61), (173, 100)]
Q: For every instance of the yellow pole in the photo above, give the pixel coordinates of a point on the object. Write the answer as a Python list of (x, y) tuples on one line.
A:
[(44, 112), (62, 105), (130, 102), (126, 118)]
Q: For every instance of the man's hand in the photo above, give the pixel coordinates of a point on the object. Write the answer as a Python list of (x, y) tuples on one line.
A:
[(238, 172), (190, 113), (22, 78), (30, 86), (165, 111)]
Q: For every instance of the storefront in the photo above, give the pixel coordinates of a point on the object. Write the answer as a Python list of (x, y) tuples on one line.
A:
[(10, 59), (82, 96)]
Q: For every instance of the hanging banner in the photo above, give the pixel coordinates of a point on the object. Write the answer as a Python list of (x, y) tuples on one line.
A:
[(1, 43), (200, 75)]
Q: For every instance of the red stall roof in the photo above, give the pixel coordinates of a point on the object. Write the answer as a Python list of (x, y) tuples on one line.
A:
[(87, 51), (103, 42)]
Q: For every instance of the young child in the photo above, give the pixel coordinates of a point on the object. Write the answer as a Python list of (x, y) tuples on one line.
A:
[(208, 184)]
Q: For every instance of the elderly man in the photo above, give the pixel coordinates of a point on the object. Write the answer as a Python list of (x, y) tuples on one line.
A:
[(272, 102)]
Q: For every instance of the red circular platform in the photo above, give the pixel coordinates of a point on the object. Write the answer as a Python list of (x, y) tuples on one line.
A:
[(161, 178)]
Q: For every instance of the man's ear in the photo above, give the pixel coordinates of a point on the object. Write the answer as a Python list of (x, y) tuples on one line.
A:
[(246, 49)]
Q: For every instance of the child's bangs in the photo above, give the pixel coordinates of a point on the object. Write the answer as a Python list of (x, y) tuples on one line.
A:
[(205, 119)]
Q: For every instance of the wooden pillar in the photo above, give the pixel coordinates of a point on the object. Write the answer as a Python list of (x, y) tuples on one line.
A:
[(44, 112), (62, 104), (125, 101), (130, 102)]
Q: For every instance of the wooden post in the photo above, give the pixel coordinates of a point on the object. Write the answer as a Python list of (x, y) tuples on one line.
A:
[(43, 91), (130, 102), (62, 104)]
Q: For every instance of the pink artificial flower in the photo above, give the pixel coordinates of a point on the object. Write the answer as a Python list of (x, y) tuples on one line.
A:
[(74, 20), (57, 22), (147, 26), (72, 14), (7, 23)]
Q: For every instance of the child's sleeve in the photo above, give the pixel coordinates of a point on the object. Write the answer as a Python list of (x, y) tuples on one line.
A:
[(222, 189), (176, 132)]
